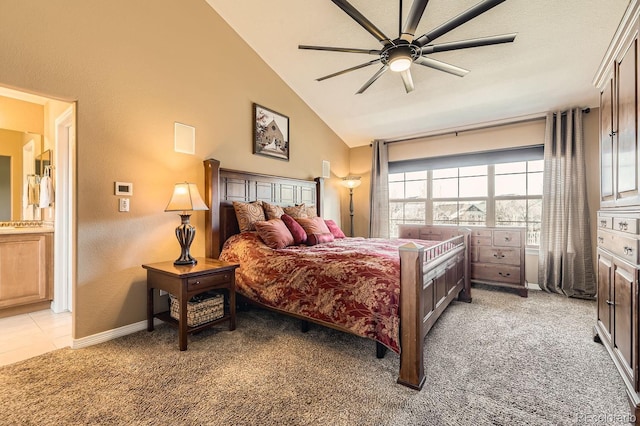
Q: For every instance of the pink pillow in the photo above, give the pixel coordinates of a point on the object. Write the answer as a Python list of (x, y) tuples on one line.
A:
[(313, 225), (334, 228), (298, 233), (313, 239), (274, 233)]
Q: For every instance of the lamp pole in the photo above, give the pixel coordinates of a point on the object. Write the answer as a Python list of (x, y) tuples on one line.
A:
[(351, 210), (351, 182)]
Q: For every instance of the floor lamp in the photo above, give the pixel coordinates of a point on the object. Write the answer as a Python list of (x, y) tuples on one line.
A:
[(351, 182)]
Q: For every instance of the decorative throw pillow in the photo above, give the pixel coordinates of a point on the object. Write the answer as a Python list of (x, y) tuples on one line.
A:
[(272, 211), (313, 225), (248, 214), (311, 211), (313, 239), (274, 233), (334, 228), (296, 211), (299, 236)]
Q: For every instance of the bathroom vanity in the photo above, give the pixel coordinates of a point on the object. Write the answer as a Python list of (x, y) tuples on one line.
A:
[(26, 269)]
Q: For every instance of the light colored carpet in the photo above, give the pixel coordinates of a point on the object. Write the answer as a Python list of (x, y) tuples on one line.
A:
[(501, 360)]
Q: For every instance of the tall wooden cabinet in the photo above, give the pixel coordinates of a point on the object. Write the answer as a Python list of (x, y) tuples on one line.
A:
[(618, 239)]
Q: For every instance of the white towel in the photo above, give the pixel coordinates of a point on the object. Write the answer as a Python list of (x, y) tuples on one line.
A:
[(46, 192)]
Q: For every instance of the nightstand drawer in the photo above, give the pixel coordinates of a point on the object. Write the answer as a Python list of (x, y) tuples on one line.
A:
[(198, 283)]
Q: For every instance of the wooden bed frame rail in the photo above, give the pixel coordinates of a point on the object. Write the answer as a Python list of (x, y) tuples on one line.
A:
[(428, 282)]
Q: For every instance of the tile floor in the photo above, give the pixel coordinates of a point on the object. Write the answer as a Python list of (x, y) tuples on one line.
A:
[(28, 335)]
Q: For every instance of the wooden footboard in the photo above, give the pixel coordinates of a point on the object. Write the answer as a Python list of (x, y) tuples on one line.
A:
[(428, 284)]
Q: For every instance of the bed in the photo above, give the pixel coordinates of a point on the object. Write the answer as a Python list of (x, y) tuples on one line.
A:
[(402, 287)]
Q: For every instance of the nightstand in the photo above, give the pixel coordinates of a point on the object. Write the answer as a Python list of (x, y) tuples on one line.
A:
[(186, 281)]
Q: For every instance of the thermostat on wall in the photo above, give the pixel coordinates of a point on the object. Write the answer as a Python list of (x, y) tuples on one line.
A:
[(124, 188)]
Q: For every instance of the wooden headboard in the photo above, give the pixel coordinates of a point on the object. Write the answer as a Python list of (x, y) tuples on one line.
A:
[(223, 187)]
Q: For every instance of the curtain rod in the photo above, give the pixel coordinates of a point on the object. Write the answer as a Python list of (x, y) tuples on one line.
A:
[(471, 129)]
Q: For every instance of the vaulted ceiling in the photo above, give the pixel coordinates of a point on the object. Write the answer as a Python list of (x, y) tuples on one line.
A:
[(549, 66)]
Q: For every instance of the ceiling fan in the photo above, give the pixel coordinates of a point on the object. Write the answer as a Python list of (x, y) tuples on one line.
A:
[(399, 54)]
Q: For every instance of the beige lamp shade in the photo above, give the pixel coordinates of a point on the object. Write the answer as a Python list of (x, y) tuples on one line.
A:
[(185, 198), (351, 182)]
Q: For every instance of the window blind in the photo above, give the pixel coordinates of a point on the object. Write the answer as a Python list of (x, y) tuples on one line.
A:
[(528, 153)]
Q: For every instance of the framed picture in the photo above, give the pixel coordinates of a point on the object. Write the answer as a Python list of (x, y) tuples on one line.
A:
[(270, 133)]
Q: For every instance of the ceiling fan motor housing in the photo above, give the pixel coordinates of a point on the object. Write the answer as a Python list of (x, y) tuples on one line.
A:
[(400, 49)]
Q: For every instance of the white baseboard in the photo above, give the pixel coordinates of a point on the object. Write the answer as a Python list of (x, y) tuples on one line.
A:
[(105, 336), (533, 286)]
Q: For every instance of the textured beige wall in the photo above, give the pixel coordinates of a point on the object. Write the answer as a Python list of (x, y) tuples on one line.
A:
[(135, 68), (482, 140)]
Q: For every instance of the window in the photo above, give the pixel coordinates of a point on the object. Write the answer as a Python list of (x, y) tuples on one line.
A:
[(502, 194)]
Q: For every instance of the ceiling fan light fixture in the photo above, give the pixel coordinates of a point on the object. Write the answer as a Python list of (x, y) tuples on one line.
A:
[(400, 63)]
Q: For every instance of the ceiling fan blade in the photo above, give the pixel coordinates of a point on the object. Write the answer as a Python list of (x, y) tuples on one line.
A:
[(357, 67), (415, 14), (373, 79), (407, 80), (465, 44), (441, 66), (364, 22), (455, 22), (341, 49)]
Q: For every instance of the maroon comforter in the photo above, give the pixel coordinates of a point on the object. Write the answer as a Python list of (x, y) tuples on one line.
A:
[(351, 282)]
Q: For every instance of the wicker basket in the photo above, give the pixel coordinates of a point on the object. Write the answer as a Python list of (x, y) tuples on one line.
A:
[(200, 309)]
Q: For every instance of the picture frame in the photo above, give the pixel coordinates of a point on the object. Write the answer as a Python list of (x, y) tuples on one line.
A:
[(270, 133)]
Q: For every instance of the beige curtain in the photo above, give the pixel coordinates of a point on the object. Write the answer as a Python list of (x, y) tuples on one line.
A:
[(565, 264), (379, 195)]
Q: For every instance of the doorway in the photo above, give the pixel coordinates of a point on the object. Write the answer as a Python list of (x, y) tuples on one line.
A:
[(60, 138)]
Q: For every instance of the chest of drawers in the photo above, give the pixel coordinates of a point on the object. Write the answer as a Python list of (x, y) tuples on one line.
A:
[(497, 257)]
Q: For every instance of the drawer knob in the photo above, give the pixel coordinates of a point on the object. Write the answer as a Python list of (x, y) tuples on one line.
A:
[(498, 255), (196, 283), (503, 274), (601, 240), (623, 226), (507, 239), (603, 223), (628, 251), (610, 303)]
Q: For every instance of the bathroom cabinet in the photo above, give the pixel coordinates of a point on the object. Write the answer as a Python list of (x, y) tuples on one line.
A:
[(26, 272)]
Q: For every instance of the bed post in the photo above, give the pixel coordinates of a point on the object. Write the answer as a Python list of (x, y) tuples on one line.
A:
[(411, 316), (465, 294), (319, 196), (212, 200)]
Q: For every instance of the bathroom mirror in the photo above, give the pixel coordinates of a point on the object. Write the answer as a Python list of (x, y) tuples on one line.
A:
[(42, 161), (20, 151)]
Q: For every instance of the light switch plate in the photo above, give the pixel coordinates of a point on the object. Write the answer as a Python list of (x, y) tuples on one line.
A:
[(124, 205)]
